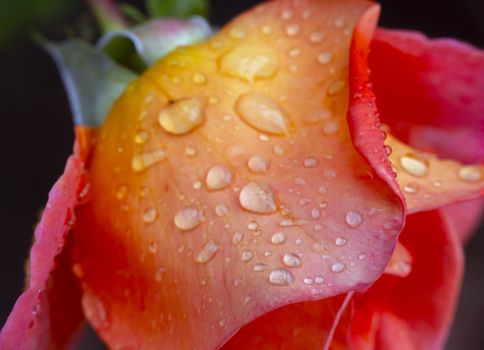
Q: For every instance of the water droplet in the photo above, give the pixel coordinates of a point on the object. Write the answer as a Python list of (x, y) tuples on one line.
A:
[(237, 33), (153, 247), (294, 52), (207, 252), (149, 215), (281, 277), (299, 181), (291, 260), (329, 174), (199, 78), (247, 255), (470, 173), (259, 267), (286, 14), (413, 165), (310, 162), (340, 241), (315, 213), (337, 267), (278, 150), (218, 177), (141, 137), (143, 161), (257, 197), (278, 238), (221, 210), (190, 151), (411, 188), (121, 192), (95, 309), (331, 127), (262, 113), (316, 37), (266, 29), (354, 218), (336, 87), (319, 280), (187, 218), (308, 280), (292, 30), (182, 116), (325, 57), (250, 62), (237, 237), (258, 164), (197, 185), (316, 117)]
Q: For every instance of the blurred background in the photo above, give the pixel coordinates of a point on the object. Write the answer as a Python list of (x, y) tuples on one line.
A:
[(37, 135)]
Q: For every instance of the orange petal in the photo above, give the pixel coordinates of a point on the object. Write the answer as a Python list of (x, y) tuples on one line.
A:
[(225, 179)]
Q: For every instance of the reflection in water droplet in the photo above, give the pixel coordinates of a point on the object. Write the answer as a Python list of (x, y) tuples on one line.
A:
[(353, 218), (187, 218), (258, 164), (470, 173), (218, 177), (149, 215), (262, 113), (257, 197), (413, 165), (291, 260), (182, 116), (281, 277), (207, 252), (337, 267), (250, 62), (143, 161)]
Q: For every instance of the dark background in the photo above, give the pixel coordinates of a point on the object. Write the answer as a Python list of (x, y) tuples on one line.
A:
[(36, 135)]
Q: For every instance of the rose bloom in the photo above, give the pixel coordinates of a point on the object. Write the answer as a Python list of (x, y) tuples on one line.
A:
[(284, 184)]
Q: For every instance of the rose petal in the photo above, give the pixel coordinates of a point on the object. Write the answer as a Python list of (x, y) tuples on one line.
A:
[(48, 312), (414, 312), (252, 119), (426, 181)]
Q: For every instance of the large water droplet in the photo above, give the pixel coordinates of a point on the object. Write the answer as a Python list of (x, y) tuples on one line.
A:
[(353, 218), (257, 197), (470, 173), (281, 277), (258, 164), (207, 252), (250, 62), (182, 116), (143, 161), (413, 165), (218, 177), (291, 260), (187, 218), (262, 113)]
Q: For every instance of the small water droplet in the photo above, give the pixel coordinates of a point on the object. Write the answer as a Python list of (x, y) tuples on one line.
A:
[(339, 22), (237, 237), (247, 255), (95, 309), (190, 151), (470, 173), (299, 181), (411, 188), (310, 162), (319, 280), (259, 267), (197, 185), (258, 164), (281, 277), (278, 238), (149, 215), (121, 192), (340, 241), (353, 218), (316, 37), (325, 57), (153, 247), (262, 113), (199, 78), (266, 29), (221, 210), (141, 137), (207, 252), (257, 197), (294, 52), (187, 218), (315, 213), (218, 177), (336, 87), (286, 14), (237, 33), (182, 116), (292, 30), (331, 127), (308, 280), (278, 150), (318, 116), (143, 161), (291, 260), (337, 267), (413, 165)]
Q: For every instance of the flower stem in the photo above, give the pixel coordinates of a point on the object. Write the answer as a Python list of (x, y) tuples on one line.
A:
[(108, 15)]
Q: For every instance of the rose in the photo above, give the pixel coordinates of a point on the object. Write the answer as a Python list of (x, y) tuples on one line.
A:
[(312, 202)]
